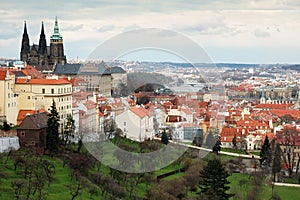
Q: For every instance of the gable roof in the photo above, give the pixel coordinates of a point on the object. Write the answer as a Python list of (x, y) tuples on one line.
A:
[(117, 70), (23, 113), (139, 111), (67, 69), (34, 122)]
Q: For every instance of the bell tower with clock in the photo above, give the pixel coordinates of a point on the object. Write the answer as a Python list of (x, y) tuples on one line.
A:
[(56, 47)]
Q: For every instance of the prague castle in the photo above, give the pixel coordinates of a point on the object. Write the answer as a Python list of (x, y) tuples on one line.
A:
[(41, 54)]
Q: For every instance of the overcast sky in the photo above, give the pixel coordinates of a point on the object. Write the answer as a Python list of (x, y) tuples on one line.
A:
[(240, 31)]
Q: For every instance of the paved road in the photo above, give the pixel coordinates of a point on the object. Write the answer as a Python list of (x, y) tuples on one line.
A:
[(221, 152)]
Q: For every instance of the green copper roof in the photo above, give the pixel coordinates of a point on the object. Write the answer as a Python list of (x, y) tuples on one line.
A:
[(56, 35)]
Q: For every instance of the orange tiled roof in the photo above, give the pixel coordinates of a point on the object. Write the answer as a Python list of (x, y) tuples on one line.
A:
[(31, 71), (23, 113), (59, 81), (273, 106), (2, 74), (75, 81), (187, 111), (90, 104), (139, 111), (282, 112), (81, 95)]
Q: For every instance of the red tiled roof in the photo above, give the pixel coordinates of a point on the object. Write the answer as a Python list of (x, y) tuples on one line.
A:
[(187, 111), (273, 106), (139, 111), (31, 71), (281, 112), (2, 74), (81, 95), (59, 81), (23, 113), (90, 104), (75, 81), (203, 104)]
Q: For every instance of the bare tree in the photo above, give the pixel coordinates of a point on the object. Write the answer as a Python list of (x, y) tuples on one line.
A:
[(287, 140)]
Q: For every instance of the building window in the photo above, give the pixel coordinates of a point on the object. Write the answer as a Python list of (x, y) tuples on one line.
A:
[(52, 91), (9, 105), (124, 123), (59, 91), (28, 97), (8, 95), (43, 90)]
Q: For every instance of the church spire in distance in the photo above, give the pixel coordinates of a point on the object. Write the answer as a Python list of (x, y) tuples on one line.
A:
[(25, 45), (56, 35), (25, 30), (42, 42)]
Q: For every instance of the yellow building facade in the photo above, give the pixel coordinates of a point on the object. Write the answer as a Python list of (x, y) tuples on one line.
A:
[(35, 94), (8, 98)]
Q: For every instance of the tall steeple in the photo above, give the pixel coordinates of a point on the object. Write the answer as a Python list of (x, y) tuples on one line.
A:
[(42, 42), (262, 98), (57, 55), (25, 48), (56, 35)]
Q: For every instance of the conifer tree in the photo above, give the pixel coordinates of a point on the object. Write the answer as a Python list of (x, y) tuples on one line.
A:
[(234, 142), (217, 147), (265, 153), (213, 181), (52, 136), (69, 129), (276, 164), (164, 137)]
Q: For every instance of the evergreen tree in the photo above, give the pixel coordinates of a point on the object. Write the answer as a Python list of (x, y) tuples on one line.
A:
[(213, 181), (265, 153), (276, 165), (234, 142), (68, 129), (217, 147), (164, 137), (52, 137), (6, 126)]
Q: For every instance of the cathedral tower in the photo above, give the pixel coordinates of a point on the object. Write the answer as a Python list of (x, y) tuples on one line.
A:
[(56, 47), (25, 48), (43, 55)]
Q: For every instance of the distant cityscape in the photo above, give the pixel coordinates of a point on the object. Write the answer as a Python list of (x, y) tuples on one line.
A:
[(245, 103)]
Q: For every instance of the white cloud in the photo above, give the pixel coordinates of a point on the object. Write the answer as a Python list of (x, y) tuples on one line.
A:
[(212, 23)]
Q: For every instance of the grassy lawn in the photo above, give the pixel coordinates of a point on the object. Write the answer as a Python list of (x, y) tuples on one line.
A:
[(286, 193), (56, 190), (231, 150)]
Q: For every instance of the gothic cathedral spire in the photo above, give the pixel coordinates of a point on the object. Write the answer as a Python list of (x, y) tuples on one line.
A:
[(41, 54), (42, 42), (25, 48)]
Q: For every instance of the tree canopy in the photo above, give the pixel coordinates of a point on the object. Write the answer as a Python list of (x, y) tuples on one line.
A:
[(217, 147), (164, 137), (265, 153), (52, 136), (213, 181)]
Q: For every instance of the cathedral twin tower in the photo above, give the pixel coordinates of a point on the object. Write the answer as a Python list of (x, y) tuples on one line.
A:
[(41, 54)]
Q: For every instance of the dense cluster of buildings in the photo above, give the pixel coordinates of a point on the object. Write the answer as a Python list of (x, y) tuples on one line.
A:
[(250, 108)]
